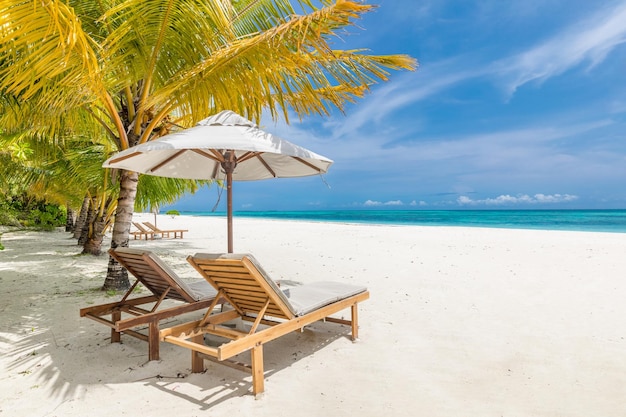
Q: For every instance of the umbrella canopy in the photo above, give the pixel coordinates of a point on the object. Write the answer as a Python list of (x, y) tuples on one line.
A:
[(226, 147)]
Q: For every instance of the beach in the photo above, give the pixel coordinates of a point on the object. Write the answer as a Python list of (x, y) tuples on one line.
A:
[(460, 322)]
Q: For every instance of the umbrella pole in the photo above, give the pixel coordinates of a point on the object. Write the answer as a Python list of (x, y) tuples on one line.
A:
[(228, 164), (229, 208)]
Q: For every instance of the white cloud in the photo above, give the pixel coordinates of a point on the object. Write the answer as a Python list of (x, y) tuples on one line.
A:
[(591, 41), (555, 198), (372, 203), (379, 106), (588, 41), (519, 199)]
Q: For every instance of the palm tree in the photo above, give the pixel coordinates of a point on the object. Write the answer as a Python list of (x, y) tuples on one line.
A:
[(60, 171), (139, 68), (46, 169)]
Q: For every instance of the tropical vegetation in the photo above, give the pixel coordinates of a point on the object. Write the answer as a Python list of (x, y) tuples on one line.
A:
[(99, 76)]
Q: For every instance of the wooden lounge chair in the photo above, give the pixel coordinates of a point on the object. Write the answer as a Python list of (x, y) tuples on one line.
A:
[(165, 233), (256, 298), (156, 276), (142, 232)]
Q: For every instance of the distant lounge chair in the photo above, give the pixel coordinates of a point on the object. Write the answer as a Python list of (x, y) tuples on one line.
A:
[(165, 233), (256, 298), (157, 277), (142, 232)]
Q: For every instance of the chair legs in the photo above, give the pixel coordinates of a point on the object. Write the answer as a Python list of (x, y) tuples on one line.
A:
[(242, 341), (152, 338), (258, 383), (153, 341), (355, 322), (197, 363), (116, 336)]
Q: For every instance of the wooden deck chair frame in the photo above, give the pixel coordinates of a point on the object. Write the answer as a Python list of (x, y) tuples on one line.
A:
[(142, 232), (254, 298), (130, 313), (165, 233)]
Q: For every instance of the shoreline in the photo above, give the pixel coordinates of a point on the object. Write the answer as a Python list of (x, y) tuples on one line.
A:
[(461, 321), (596, 220)]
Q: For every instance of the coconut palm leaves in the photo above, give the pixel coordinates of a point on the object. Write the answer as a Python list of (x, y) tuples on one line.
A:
[(136, 69), (46, 56)]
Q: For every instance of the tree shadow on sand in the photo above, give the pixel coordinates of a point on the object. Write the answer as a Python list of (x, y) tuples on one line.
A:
[(65, 365), (60, 357)]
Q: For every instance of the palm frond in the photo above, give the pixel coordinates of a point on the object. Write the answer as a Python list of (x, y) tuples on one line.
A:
[(155, 191), (45, 56), (279, 67)]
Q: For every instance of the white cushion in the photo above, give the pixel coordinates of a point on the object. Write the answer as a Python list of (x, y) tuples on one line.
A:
[(301, 299), (310, 297)]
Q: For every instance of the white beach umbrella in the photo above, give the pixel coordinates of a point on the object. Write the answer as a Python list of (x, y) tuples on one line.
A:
[(225, 147)]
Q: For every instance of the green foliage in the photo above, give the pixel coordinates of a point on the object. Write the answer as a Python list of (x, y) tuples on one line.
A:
[(8, 213), (9, 219), (173, 212), (46, 216), (77, 73), (154, 191), (23, 211)]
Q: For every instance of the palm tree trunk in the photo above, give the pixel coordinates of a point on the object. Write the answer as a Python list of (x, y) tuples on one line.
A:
[(70, 219), (93, 244), (82, 217), (117, 276), (86, 230)]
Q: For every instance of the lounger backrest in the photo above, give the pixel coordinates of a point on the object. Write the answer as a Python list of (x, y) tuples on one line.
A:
[(244, 283), (141, 228), (153, 273), (151, 227)]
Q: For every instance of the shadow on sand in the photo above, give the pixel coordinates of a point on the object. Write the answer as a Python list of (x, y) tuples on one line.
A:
[(43, 339)]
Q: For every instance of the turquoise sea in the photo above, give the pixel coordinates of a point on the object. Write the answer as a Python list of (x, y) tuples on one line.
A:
[(575, 220)]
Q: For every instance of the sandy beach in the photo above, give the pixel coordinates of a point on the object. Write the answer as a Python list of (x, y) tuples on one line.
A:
[(461, 322)]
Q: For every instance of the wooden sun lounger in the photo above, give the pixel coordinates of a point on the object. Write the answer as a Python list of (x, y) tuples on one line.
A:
[(256, 298), (165, 233), (142, 232), (130, 313)]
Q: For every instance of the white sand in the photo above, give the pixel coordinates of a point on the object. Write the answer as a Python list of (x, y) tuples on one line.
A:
[(461, 322)]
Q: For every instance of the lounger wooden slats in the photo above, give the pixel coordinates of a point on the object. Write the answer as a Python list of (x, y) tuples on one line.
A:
[(165, 233), (254, 297), (246, 292), (128, 314), (142, 232), (152, 275)]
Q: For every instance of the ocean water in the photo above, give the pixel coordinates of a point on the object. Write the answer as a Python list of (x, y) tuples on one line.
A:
[(574, 220)]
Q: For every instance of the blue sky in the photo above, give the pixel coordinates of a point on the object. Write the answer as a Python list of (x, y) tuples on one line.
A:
[(516, 104)]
